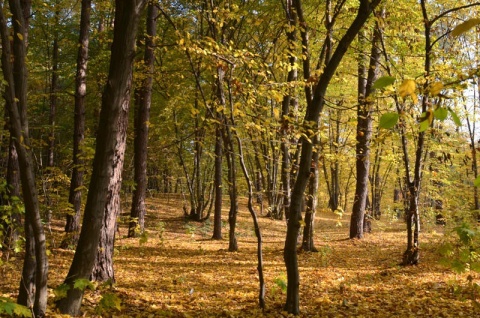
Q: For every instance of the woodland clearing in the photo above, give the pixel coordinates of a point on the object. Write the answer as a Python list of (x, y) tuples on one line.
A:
[(176, 270)]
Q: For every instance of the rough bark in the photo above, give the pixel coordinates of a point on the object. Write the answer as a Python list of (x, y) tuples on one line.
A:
[(26, 290), (312, 200), (16, 101), (312, 116), (232, 189), (115, 104), (217, 215), (143, 100), (103, 267), (364, 134), (72, 225), (12, 190), (288, 100), (53, 99)]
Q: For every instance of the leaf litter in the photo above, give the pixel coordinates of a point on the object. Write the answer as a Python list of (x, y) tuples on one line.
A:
[(178, 271)]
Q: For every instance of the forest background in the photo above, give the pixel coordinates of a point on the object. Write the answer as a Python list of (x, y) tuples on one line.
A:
[(362, 109)]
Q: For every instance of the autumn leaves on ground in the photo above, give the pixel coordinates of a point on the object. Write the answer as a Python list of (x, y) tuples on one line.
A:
[(176, 270)]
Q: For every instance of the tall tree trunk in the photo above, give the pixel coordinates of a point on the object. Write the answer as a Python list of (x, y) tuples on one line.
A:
[(143, 100), (364, 133), (217, 216), (288, 99), (312, 200), (115, 105), (103, 266), (334, 144), (26, 290), (72, 225), (312, 197), (12, 194), (232, 188), (312, 115), (16, 100), (53, 98)]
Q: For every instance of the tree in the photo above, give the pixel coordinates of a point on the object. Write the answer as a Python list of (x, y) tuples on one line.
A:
[(72, 225), (108, 156), (364, 133), (430, 107), (143, 97), (312, 115), (16, 100)]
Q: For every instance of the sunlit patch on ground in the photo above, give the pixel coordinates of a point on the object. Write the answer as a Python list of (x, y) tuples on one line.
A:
[(180, 272)]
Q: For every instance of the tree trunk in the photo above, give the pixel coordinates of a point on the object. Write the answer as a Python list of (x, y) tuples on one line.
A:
[(16, 100), (143, 100), (53, 99), (364, 133), (312, 200), (12, 194), (232, 175), (288, 100), (115, 104), (103, 267), (217, 216), (75, 197), (26, 291), (312, 115)]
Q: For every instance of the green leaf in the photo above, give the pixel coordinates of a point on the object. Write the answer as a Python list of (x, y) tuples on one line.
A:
[(61, 291), (109, 301), (465, 26), (476, 182), (383, 82), (21, 311), (425, 123), (446, 249), (10, 308), (83, 283), (475, 267), (388, 120), (280, 282), (455, 117), (143, 238), (441, 113), (458, 266), (7, 307)]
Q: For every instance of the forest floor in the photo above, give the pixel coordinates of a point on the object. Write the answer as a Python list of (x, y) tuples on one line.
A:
[(176, 270)]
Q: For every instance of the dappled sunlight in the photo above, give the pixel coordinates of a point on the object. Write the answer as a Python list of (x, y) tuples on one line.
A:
[(178, 271)]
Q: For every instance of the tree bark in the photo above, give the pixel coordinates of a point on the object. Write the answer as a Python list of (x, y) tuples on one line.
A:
[(312, 200), (143, 100), (12, 191), (53, 99), (288, 99), (364, 134), (16, 100), (312, 116), (217, 216), (115, 105), (232, 176), (72, 225)]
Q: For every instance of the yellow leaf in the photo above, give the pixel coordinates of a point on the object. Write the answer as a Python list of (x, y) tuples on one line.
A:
[(465, 26), (407, 88), (435, 88), (20, 36), (276, 113)]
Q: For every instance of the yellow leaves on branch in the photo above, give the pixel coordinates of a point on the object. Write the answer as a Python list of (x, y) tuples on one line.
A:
[(408, 88)]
